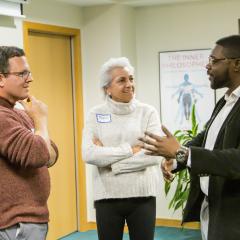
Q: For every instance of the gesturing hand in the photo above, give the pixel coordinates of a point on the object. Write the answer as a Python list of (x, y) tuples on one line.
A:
[(167, 167), (35, 108), (165, 146)]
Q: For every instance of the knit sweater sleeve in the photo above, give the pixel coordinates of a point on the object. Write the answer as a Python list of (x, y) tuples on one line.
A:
[(101, 156), (140, 160), (18, 144)]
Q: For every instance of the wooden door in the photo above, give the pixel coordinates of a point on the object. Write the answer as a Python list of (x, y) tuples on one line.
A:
[(50, 60)]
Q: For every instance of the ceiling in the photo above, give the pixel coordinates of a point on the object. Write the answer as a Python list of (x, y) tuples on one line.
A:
[(135, 3)]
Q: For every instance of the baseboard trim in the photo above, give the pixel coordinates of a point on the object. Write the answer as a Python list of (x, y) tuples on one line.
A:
[(163, 222)]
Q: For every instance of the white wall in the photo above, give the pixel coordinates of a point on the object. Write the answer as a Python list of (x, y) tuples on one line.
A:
[(11, 31), (50, 12), (128, 34)]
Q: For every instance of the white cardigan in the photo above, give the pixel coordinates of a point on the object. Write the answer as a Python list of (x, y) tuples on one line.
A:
[(119, 173)]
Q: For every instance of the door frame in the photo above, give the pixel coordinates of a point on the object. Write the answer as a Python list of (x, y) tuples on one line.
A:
[(82, 222)]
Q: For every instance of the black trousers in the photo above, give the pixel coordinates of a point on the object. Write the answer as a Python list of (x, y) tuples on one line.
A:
[(138, 213)]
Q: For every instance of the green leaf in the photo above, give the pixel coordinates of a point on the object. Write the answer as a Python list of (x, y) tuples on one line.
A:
[(193, 115), (195, 130), (178, 205), (185, 194), (167, 187)]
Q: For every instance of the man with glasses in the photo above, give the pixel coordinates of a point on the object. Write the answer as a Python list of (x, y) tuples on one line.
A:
[(26, 152), (213, 156)]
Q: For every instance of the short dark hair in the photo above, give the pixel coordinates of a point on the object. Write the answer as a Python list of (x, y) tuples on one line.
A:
[(231, 45), (7, 52)]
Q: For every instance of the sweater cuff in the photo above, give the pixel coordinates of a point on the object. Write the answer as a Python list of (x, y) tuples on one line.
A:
[(118, 168)]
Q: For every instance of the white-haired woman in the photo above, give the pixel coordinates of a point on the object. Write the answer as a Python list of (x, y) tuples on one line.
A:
[(126, 181)]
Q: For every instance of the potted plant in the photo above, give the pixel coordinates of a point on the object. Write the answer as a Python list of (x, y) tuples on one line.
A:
[(182, 178)]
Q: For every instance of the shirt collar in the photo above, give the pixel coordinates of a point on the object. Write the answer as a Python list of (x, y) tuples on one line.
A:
[(233, 95)]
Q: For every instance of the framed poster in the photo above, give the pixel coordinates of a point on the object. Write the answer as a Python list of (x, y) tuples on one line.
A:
[(184, 82)]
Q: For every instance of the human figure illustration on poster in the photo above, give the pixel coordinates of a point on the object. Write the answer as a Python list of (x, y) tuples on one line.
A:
[(183, 83), (186, 95)]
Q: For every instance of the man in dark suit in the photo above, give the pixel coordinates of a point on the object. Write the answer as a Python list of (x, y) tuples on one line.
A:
[(213, 156)]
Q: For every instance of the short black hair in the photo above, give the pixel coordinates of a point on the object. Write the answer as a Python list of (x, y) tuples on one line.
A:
[(231, 45), (7, 52)]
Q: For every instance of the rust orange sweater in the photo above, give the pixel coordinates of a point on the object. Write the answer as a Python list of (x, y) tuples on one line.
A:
[(24, 177)]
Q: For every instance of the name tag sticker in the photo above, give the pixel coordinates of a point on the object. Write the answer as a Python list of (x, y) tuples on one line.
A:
[(103, 118)]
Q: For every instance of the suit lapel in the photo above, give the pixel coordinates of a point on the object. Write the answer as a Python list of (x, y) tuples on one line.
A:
[(234, 110), (216, 110)]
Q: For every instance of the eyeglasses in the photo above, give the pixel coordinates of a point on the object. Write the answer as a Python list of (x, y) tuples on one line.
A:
[(24, 74), (213, 60)]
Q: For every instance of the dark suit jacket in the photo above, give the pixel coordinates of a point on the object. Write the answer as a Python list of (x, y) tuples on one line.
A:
[(222, 164)]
